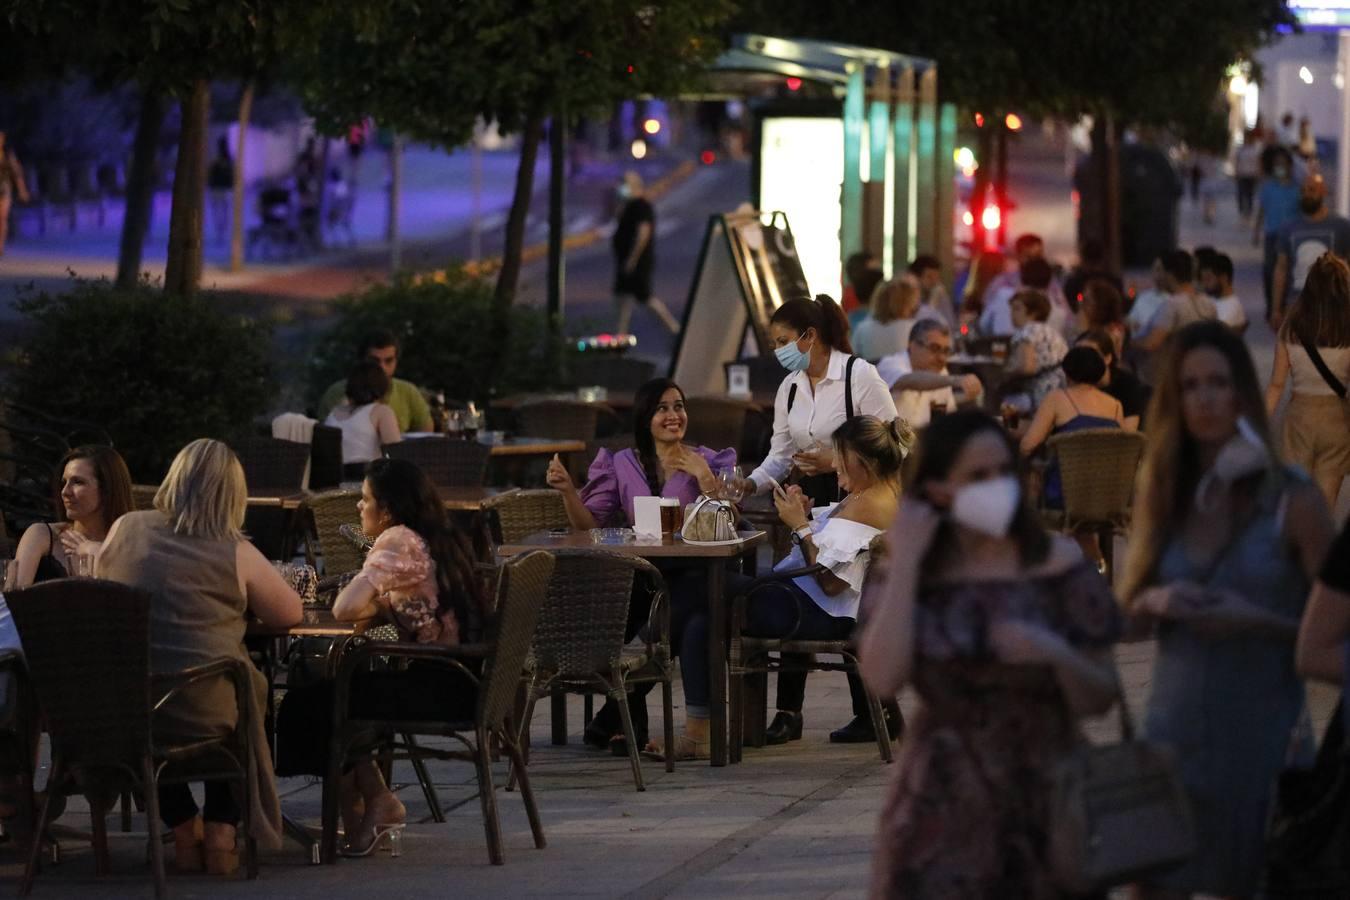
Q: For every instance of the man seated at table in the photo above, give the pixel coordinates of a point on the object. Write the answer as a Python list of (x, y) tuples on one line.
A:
[(918, 376), (404, 397)]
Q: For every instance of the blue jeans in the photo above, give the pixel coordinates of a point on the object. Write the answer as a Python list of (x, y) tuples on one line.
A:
[(772, 613)]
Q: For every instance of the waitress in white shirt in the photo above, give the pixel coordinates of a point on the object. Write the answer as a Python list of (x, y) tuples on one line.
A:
[(826, 385)]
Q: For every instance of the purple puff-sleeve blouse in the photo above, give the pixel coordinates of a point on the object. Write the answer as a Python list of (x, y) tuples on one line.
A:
[(615, 479)]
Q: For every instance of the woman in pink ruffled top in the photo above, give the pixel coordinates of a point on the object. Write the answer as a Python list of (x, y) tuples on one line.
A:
[(418, 576)]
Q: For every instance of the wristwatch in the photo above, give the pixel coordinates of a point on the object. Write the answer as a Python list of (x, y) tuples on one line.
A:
[(800, 535)]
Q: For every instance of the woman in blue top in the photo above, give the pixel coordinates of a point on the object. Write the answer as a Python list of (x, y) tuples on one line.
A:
[(1277, 203), (1225, 544)]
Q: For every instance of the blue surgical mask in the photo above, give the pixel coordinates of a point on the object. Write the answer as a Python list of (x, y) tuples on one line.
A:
[(792, 358)]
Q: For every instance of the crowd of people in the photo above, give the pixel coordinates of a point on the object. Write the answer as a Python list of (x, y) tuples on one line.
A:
[(900, 482)]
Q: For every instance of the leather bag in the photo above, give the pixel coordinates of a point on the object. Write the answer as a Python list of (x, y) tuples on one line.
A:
[(709, 520), (1118, 812)]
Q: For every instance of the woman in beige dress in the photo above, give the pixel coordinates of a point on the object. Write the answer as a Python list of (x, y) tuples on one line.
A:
[(205, 577)]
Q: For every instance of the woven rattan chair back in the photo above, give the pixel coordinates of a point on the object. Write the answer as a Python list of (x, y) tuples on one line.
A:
[(521, 590), (581, 627), (447, 462), (325, 458), (716, 422), (331, 510), (569, 420), (271, 464), (1097, 469), (87, 643), (515, 515)]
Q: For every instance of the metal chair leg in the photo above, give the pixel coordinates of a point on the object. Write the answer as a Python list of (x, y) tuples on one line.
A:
[(558, 699), (668, 717), (428, 787), (153, 825), (526, 794), (98, 816), (487, 796), (621, 698), (54, 779), (126, 811)]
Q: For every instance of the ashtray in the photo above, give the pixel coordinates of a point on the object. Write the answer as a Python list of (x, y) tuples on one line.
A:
[(613, 536)]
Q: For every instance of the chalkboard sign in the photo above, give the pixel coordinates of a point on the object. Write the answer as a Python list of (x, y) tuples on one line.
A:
[(747, 268)]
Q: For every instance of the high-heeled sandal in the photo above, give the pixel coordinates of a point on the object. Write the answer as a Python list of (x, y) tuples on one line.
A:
[(394, 834)]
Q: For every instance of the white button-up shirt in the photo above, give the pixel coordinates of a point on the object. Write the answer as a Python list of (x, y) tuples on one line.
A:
[(816, 414)]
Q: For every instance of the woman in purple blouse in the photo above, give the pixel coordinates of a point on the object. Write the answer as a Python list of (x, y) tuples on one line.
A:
[(659, 464)]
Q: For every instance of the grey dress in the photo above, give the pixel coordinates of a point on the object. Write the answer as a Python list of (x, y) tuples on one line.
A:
[(1228, 704), (196, 617)]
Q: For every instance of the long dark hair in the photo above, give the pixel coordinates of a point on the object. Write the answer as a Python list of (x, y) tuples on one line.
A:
[(1171, 469), (939, 446), (822, 314), (645, 402), (411, 500), (114, 481)]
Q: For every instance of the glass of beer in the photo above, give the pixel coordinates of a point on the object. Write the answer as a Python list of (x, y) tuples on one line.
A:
[(1012, 416), (999, 350), (672, 516)]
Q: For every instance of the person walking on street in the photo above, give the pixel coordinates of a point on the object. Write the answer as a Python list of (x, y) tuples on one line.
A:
[(1226, 542), (1314, 346), (1276, 204), (11, 183), (1247, 170), (1302, 242), (220, 182), (634, 256)]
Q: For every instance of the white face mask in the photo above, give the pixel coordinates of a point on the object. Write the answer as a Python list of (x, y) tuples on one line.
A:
[(1244, 454), (987, 506)]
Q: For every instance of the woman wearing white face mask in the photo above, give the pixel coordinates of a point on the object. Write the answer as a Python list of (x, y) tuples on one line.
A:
[(826, 384), (1225, 544), (1006, 634)]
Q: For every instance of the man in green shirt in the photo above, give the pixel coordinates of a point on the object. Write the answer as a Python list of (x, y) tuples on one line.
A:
[(404, 397)]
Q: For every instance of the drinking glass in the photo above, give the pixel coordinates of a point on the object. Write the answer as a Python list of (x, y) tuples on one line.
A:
[(84, 565), (729, 484), (454, 422)]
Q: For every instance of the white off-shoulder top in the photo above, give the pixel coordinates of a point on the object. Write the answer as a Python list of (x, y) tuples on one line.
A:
[(842, 547)]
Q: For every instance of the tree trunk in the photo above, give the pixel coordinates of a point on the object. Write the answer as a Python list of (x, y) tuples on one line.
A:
[(980, 191), (1105, 179), (237, 219), (183, 270), (514, 244), (140, 188)]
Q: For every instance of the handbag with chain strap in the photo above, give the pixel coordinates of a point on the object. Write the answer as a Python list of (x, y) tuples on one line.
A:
[(1118, 812)]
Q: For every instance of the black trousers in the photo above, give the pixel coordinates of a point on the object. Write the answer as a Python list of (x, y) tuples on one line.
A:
[(176, 805)]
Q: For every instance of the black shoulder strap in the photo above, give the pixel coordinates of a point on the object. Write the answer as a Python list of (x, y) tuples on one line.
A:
[(848, 387), (1332, 381), (792, 395)]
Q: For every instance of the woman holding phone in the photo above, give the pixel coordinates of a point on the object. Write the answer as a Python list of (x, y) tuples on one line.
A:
[(826, 385)]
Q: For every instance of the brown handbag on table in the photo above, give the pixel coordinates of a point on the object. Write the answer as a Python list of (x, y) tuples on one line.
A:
[(1118, 812)]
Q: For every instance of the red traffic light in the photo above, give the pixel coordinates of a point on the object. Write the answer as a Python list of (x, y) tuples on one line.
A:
[(794, 84), (707, 157)]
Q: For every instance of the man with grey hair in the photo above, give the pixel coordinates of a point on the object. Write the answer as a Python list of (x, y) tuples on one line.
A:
[(918, 376)]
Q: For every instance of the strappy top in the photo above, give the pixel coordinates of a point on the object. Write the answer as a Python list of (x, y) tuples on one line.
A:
[(49, 568)]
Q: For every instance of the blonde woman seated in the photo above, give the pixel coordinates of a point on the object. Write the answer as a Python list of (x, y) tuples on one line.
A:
[(204, 577), (895, 309), (95, 492)]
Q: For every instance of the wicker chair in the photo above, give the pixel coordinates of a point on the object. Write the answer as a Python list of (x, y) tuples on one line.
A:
[(96, 691), (517, 514), (330, 511), (750, 656), (521, 591), (1097, 468), (19, 730), (579, 644), (325, 458), (446, 461), (143, 496), (569, 420), (271, 464)]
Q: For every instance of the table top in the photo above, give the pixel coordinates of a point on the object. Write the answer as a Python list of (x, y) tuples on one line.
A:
[(647, 548), (533, 446), (318, 622)]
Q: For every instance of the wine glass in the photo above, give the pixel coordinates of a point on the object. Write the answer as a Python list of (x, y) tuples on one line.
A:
[(729, 484)]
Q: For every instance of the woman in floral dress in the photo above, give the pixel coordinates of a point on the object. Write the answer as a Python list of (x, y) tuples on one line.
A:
[(1005, 632)]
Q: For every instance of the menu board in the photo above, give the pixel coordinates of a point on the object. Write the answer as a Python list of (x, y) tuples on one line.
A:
[(747, 268)]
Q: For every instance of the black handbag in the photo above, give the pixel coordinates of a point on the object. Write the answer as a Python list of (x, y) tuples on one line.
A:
[(1308, 842)]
